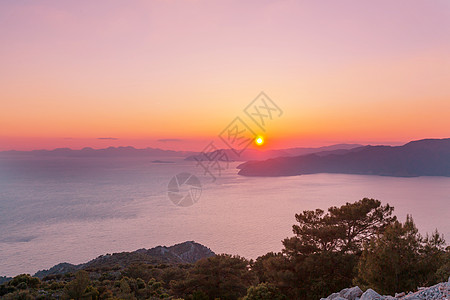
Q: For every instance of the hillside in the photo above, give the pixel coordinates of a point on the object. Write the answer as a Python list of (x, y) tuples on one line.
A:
[(254, 154), (428, 157), (187, 252)]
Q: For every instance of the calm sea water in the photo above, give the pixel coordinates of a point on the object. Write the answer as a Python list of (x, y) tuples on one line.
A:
[(72, 210)]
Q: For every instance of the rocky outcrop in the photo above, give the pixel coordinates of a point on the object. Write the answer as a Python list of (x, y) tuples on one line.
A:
[(187, 252), (351, 293), (440, 291), (61, 268), (371, 295)]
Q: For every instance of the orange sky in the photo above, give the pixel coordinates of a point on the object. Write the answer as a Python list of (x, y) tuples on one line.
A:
[(142, 71)]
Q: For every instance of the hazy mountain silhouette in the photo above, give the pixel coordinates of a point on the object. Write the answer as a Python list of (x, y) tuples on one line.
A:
[(253, 154), (107, 152), (249, 154), (428, 157)]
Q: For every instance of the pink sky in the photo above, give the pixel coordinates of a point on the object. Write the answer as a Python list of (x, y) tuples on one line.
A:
[(141, 71)]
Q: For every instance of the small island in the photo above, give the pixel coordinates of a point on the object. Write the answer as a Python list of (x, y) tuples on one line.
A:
[(162, 161)]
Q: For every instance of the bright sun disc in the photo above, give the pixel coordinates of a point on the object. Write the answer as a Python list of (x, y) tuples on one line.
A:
[(259, 141)]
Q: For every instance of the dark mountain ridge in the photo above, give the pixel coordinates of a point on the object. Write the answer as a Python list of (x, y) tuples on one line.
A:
[(427, 157), (187, 252)]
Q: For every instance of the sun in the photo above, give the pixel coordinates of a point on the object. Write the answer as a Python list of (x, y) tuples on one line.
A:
[(259, 141)]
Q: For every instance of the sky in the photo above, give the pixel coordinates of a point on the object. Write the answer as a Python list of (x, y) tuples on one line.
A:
[(174, 73)]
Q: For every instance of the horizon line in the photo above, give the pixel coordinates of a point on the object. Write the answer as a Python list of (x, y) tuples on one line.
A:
[(182, 150)]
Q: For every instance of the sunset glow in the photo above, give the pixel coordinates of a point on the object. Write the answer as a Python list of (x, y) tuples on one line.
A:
[(259, 141), (224, 149), (139, 72)]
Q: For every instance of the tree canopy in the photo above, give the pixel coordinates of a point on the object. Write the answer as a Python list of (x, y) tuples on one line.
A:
[(357, 243)]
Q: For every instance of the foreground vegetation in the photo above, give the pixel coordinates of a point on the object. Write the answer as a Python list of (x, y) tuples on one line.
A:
[(358, 243)]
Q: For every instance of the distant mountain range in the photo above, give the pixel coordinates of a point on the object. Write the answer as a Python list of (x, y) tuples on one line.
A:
[(428, 157), (252, 154), (187, 252), (249, 154), (107, 152)]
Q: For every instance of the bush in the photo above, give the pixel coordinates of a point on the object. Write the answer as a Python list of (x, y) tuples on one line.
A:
[(264, 291), (32, 282)]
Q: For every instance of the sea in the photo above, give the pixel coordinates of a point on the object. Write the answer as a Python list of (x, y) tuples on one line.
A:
[(59, 209)]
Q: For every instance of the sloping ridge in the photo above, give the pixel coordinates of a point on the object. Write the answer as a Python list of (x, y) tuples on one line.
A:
[(257, 154), (187, 252), (428, 157)]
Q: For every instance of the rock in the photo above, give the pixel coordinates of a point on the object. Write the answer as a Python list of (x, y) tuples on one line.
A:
[(61, 268), (414, 297), (342, 292), (428, 293), (440, 291), (351, 293), (371, 295), (333, 296)]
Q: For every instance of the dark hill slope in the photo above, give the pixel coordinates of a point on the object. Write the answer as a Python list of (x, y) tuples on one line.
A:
[(187, 252), (429, 157)]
